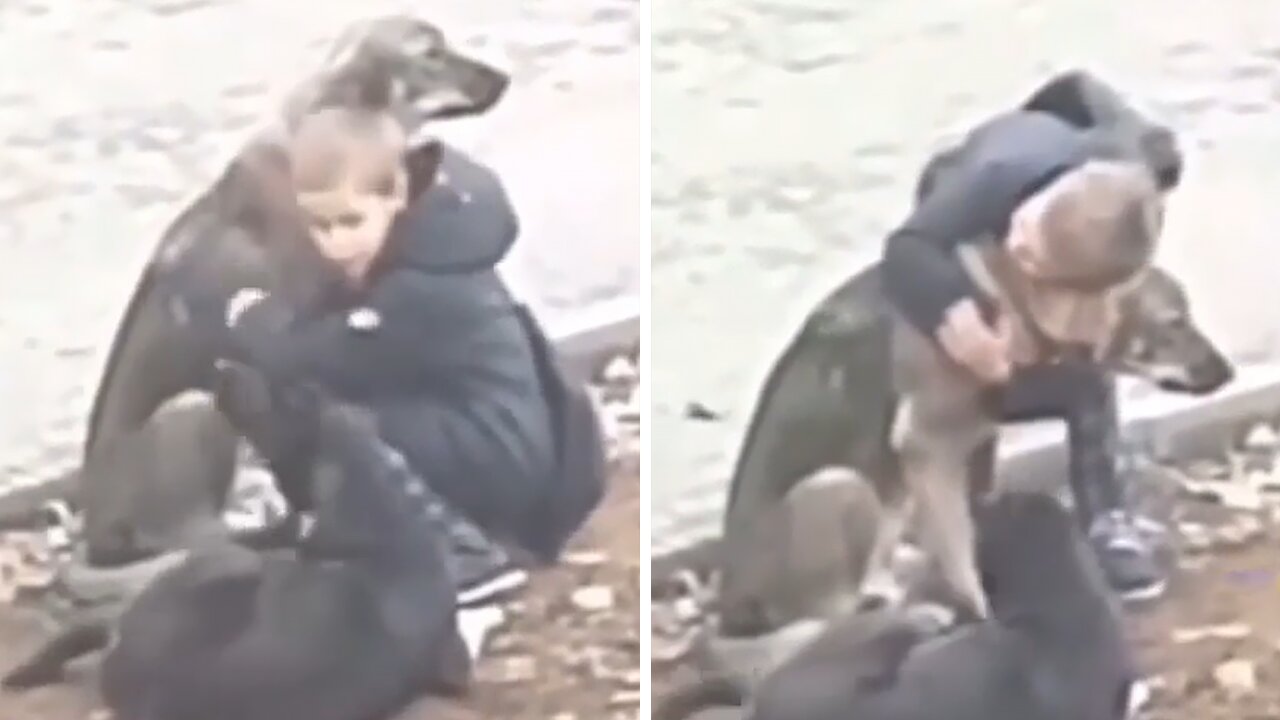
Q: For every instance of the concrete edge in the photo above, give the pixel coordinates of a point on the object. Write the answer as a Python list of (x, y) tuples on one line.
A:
[(589, 338), (1166, 425), (586, 340)]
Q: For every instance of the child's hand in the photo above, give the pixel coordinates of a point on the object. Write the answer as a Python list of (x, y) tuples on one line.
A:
[(974, 344)]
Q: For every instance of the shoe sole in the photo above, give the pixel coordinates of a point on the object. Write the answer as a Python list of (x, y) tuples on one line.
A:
[(500, 584), (1144, 594)]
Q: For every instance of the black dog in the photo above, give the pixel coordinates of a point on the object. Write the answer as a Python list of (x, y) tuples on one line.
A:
[(351, 625), (1054, 648)]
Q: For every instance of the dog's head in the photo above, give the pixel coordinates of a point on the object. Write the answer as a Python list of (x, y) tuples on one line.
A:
[(366, 495), (280, 419), (1157, 339), (1028, 546), (404, 65)]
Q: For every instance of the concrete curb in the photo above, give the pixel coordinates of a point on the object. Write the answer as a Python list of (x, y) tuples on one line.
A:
[(590, 338), (1033, 456), (586, 341)]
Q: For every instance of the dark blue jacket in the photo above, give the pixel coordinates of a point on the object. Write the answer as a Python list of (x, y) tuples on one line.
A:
[(997, 167), (460, 375)]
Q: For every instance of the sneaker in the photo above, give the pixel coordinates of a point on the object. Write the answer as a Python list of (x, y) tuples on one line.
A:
[(1127, 560), (481, 568)]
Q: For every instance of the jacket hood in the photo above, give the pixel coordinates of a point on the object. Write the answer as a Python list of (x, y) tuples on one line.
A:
[(464, 223)]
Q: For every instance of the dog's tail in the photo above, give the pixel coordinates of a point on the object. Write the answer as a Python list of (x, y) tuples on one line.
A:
[(705, 693), (48, 663)]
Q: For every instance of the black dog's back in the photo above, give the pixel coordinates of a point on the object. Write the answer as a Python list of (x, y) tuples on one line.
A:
[(351, 625), (1054, 648)]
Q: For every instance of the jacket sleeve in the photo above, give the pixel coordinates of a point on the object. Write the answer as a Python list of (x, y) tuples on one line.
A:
[(922, 272), (922, 278), (397, 341)]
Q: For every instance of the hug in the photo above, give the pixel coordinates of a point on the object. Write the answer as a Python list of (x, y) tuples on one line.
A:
[(417, 326)]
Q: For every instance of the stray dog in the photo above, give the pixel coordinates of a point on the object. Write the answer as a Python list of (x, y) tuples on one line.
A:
[(353, 624), (243, 232), (829, 400), (1054, 647)]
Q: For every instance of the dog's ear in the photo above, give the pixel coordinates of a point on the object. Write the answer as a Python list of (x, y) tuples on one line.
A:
[(422, 163), (466, 87)]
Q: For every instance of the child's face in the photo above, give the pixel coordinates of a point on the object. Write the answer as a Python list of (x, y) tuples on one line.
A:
[(350, 185)]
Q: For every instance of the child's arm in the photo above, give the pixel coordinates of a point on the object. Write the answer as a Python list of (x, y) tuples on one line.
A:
[(401, 339)]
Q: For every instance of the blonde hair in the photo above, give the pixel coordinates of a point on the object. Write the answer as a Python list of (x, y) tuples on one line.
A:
[(1098, 224)]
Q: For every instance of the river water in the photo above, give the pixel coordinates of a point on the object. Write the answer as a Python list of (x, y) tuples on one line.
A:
[(114, 112), (787, 135)]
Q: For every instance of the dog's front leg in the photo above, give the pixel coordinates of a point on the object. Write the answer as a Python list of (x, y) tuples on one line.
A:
[(935, 474), (939, 428)]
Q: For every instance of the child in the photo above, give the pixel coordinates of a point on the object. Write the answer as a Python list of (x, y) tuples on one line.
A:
[(418, 327), (1049, 183)]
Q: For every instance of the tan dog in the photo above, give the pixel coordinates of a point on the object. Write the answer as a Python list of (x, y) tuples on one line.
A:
[(945, 427), (829, 400)]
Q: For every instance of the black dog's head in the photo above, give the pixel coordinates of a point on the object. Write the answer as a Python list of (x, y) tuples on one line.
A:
[(404, 65), (281, 420), (1158, 340), (1031, 554), (362, 491), (366, 496)]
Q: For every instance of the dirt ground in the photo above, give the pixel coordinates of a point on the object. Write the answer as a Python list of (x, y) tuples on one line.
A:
[(1219, 620), (551, 660), (1238, 589)]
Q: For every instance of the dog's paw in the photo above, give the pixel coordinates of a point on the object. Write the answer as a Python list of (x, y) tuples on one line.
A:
[(880, 592)]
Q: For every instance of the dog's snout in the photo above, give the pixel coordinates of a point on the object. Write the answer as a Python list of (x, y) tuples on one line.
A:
[(1213, 374), (1203, 378)]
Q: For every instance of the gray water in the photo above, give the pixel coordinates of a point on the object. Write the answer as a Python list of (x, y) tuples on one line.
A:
[(113, 113), (787, 135)]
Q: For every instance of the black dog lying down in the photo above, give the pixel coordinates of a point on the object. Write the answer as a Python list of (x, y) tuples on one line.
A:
[(352, 624), (1053, 650)]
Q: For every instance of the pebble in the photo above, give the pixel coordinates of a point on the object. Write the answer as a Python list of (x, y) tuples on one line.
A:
[(1262, 438), (1241, 531), (686, 609), (515, 669), (1140, 696), (1237, 677), (1233, 495), (620, 371), (1226, 631), (593, 598), (585, 558), (625, 697)]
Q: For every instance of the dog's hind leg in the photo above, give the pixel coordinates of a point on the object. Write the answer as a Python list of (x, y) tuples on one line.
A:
[(833, 523), (47, 665)]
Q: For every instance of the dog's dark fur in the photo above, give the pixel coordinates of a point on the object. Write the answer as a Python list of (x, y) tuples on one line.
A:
[(1054, 648), (241, 233), (350, 625), (829, 400)]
